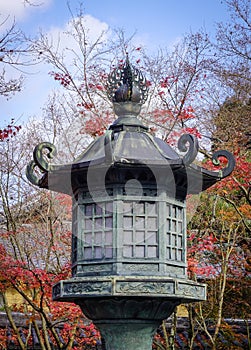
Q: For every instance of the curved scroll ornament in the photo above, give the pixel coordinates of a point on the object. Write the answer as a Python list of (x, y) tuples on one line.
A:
[(41, 153), (189, 144), (230, 165)]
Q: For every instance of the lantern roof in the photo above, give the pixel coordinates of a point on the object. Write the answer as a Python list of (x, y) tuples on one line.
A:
[(128, 144)]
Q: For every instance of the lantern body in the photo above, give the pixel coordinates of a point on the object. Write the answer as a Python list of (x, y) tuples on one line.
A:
[(129, 234)]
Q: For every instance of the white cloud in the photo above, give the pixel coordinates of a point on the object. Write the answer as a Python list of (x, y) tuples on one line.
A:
[(67, 45), (20, 9), (38, 85), (93, 27)]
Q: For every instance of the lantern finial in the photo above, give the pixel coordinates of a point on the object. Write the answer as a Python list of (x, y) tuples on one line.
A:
[(127, 84)]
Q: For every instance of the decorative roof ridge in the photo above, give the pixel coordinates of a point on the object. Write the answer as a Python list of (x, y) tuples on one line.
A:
[(46, 151)]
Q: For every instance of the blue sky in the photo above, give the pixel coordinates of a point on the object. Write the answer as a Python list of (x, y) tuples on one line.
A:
[(158, 23)]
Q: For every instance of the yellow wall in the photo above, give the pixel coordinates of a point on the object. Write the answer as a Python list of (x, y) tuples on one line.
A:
[(13, 297)]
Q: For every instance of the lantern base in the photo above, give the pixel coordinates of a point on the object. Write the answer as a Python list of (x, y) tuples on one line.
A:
[(128, 310), (130, 286)]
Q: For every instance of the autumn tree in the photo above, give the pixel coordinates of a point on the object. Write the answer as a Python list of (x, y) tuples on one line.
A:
[(35, 246), (220, 230), (231, 122), (219, 239), (219, 250), (11, 49), (234, 49), (178, 80), (35, 232), (15, 55)]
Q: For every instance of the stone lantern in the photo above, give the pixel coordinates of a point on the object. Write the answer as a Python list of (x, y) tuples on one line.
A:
[(129, 193)]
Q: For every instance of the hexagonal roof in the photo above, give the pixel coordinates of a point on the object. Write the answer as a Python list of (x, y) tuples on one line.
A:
[(128, 144)]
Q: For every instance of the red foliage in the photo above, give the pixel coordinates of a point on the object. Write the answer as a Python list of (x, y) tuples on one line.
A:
[(85, 106), (64, 79), (241, 176), (148, 83), (96, 86), (192, 131), (175, 121), (97, 125), (33, 281), (9, 131), (66, 202), (205, 256), (18, 275)]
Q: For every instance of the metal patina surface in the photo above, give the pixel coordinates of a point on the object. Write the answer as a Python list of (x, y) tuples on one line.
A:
[(129, 219)]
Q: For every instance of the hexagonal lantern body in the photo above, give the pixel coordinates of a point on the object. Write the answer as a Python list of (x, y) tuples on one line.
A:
[(128, 233), (129, 221)]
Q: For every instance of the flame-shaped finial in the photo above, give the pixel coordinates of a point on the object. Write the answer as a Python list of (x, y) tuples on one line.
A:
[(127, 84)]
